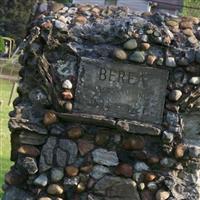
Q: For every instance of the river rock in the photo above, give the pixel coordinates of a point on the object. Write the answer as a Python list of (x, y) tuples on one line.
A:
[(41, 180), (141, 166), (162, 195), (99, 171), (130, 44), (195, 80), (71, 171), (170, 62), (84, 146), (55, 189), (124, 170), (104, 157), (120, 54), (30, 165), (29, 150), (57, 174), (175, 95), (74, 133), (137, 56)]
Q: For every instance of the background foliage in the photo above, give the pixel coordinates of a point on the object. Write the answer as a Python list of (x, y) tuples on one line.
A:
[(189, 11)]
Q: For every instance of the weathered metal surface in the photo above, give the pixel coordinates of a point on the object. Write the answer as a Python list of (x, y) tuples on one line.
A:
[(122, 91)]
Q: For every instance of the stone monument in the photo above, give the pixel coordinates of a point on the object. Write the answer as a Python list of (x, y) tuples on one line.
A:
[(108, 108)]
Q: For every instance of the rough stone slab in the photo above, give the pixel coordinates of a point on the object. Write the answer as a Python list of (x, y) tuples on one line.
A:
[(116, 188), (87, 119), (139, 128), (123, 91), (104, 157)]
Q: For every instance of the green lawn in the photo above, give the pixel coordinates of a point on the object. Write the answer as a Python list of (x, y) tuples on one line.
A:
[(5, 89)]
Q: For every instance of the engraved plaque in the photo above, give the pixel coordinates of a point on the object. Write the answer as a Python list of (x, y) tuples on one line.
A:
[(122, 91)]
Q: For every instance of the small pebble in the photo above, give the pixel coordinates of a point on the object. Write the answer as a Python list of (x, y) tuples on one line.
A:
[(130, 44), (74, 133), (195, 80), (55, 189), (141, 186), (162, 195), (152, 186), (71, 171), (81, 187), (67, 95), (49, 118), (180, 150), (41, 180), (137, 56), (145, 46), (67, 85), (151, 59), (68, 106), (170, 62), (120, 54), (124, 170), (56, 174)]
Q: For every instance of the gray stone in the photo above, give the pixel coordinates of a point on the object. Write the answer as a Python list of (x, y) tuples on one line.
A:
[(99, 171), (46, 157), (197, 57), (116, 188), (141, 166), (152, 186), (130, 44), (140, 97), (41, 180), (168, 162), (172, 118), (70, 147), (104, 157), (170, 62), (30, 165), (137, 56), (14, 193), (61, 157), (191, 129), (57, 174)]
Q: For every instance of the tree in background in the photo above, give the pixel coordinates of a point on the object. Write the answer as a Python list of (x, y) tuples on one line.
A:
[(63, 1), (189, 11), (2, 45)]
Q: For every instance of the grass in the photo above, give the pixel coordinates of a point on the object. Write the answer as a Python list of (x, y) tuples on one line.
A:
[(189, 11), (5, 163)]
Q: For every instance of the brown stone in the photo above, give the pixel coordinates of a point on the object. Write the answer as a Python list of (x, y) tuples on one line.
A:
[(84, 8), (55, 189), (193, 40), (167, 40), (162, 195), (149, 177), (96, 10), (151, 59), (14, 178), (81, 20), (47, 25), (84, 146), (186, 24), (71, 171), (153, 160), (87, 168), (145, 46), (49, 118), (180, 150), (133, 143), (120, 54), (188, 32), (67, 95), (44, 198), (74, 133), (124, 170), (172, 23), (29, 150)]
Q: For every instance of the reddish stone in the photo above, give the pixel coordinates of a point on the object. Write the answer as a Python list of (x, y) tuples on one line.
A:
[(186, 24), (133, 143), (124, 170), (149, 177), (67, 95), (81, 19), (85, 146), (153, 160), (29, 150), (47, 25)]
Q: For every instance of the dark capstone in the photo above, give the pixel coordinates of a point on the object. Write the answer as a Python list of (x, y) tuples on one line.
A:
[(14, 193), (31, 138)]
